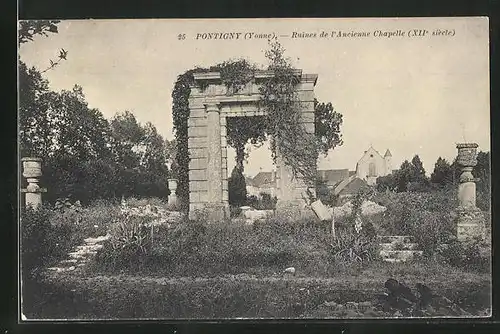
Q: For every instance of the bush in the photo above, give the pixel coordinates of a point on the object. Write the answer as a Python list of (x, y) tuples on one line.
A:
[(467, 255), (263, 202), (44, 240), (419, 214)]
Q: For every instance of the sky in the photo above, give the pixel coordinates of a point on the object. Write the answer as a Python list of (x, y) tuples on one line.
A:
[(397, 87)]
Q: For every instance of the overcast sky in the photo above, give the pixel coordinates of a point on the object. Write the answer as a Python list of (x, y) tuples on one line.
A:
[(413, 95)]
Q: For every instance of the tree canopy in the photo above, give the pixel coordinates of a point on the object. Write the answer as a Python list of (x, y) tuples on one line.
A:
[(85, 156)]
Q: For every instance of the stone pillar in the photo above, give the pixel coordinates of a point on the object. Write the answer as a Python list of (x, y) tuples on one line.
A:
[(290, 192), (215, 205), (470, 219), (32, 171), (172, 186)]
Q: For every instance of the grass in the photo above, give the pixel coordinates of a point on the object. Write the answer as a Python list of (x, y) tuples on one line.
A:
[(244, 295), (225, 270)]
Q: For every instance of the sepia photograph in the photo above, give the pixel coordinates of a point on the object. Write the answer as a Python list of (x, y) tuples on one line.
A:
[(277, 168)]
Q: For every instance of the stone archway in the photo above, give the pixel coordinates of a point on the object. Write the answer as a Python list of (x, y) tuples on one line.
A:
[(207, 141)]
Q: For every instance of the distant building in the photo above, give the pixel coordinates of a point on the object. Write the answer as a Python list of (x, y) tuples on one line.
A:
[(370, 166), (263, 182), (373, 165), (342, 182)]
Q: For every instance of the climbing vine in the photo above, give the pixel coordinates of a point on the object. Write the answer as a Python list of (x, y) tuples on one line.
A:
[(279, 99), (289, 137)]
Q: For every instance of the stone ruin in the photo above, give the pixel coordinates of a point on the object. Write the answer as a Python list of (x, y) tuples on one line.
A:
[(207, 142), (470, 219)]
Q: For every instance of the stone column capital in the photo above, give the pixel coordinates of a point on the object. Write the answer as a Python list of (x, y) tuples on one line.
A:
[(212, 106)]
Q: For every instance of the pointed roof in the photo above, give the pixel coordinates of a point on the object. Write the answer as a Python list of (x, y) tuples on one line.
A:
[(387, 153)]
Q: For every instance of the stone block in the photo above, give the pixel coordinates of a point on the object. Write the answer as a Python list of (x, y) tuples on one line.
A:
[(195, 153), (306, 95), (224, 163), (198, 196), (197, 122), (470, 224), (225, 196), (197, 142), (225, 185), (223, 121), (198, 131), (307, 117), (223, 131), (224, 173), (307, 106), (200, 163), (467, 195), (196, 186), (198, 175), (223, 141), (217, 212), (198, 113)]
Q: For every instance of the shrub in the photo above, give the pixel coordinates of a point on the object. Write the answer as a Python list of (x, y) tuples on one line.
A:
[(430, 229), (426, 216), (44, 240), (467, 255), (263, 202), (355, 240)]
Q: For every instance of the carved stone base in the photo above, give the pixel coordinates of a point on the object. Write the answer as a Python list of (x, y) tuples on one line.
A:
[(470, 224), (211, 213), (294, 209)]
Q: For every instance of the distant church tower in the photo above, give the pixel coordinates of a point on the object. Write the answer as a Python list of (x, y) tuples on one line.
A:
[(388, 162)]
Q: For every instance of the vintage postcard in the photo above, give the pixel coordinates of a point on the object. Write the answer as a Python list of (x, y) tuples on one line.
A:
[(254, 169)]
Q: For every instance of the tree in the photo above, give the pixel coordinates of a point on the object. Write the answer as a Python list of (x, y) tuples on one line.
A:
[(34, 128), (237, 188), (482, 171), (30, 28), (442, 174), (387, 182), (128, 135), (327, 124), (403, 176), (417, 170)]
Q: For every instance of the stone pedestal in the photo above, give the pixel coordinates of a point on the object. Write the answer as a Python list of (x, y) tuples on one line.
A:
[(172, 186), (32, 171), (470, 219), (470, 224)]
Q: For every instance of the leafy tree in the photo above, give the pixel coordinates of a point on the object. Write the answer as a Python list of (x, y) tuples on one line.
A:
[(387, 182), (442, 174), (128, 135), (153, 159), (237, 188), (417, 170), (34, 97), (30, 28), (403, 176), (327, 124), (76, 129), (482, 171)]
